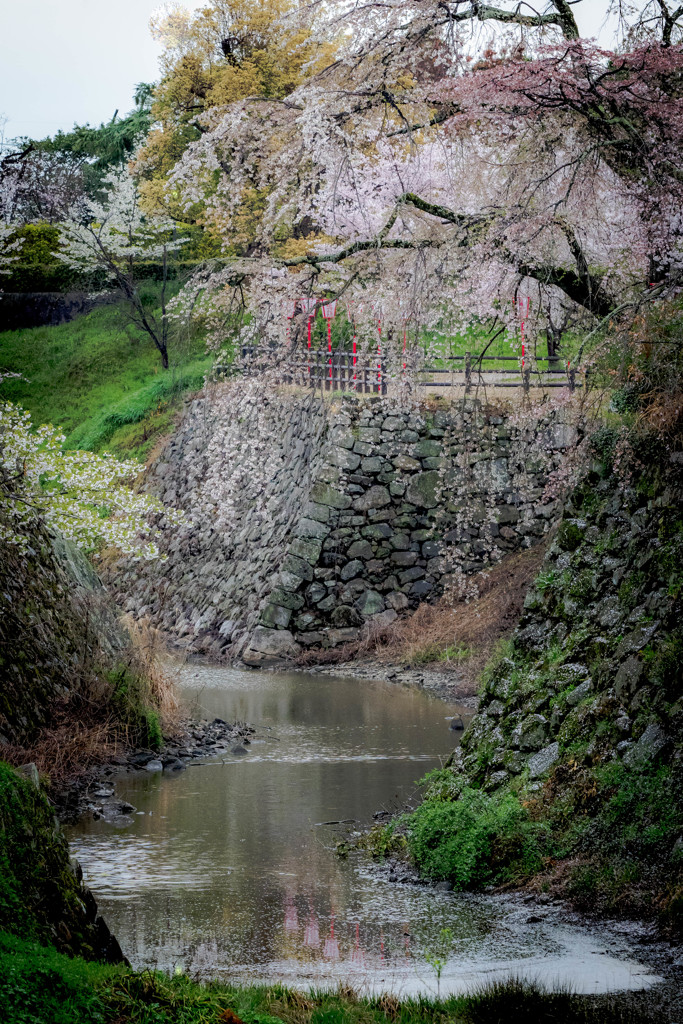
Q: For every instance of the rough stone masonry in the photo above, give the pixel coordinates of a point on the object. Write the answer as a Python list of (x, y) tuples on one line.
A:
[(376, 510)]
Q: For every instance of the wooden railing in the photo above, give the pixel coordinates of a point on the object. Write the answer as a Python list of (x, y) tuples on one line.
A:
[(345, 371), (335, 371), (556, 375)]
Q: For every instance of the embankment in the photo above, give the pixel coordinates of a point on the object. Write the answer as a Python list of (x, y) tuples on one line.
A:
[(368, 512), (572, 771)]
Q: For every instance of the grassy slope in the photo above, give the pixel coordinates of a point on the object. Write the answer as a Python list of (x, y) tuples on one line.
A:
[(38, 985), (100, 380)]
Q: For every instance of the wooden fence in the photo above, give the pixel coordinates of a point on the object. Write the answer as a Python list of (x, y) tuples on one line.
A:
[(334, 371), (344, 371), (471, 374)]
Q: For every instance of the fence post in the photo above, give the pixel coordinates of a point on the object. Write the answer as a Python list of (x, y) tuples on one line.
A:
[(572, 379), (468, 371), (526, 374)]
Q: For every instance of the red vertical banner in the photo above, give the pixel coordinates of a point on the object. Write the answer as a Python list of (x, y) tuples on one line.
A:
[(379, 355), (308, 307), (329, 310)]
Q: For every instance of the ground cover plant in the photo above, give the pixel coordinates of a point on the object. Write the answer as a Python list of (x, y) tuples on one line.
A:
[(38, 984)]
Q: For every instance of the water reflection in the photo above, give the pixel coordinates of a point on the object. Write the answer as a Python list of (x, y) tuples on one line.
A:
[(228, 872)]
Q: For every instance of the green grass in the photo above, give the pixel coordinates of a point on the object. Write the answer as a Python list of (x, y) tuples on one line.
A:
[(41, 986), (100, 380), (475, 339)]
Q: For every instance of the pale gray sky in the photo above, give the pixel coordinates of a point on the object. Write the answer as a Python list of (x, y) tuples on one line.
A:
[(66, 61)]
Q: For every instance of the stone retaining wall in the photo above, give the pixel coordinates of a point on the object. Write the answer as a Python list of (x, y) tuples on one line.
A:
[(402, 505), (371, 511), (207, 594)]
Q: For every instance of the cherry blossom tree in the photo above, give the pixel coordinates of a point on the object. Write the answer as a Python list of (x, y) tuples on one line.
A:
[(114, 236), (86, 497), (441, 169)]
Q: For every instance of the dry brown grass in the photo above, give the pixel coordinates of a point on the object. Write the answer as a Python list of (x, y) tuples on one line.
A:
[(85, 731), (82, 737), (148, 657), (456, 637)]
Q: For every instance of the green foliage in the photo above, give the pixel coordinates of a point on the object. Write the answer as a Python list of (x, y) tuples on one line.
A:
[(39, 985), (134, 709), (641, 813), (603, 444), (442, 784), (36, 886), (475, 840), (98, 378), (569, 535)]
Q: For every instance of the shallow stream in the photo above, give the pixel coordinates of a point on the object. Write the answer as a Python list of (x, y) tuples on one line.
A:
[(228, 869)]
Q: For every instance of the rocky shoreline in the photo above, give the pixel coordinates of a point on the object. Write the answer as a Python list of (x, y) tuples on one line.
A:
[(95, 792), (448, 686)]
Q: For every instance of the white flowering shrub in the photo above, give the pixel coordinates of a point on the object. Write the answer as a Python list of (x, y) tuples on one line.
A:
[(86, 497)]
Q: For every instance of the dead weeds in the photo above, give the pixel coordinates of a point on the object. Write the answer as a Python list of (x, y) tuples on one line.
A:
[(451, 637)]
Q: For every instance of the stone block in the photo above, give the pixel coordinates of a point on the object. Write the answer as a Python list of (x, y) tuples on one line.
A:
[(407, 464), (316, 592), (410, 575), (323, 494), (335, 637), (377, 531), (393, 423), (400, 542), (578, 694), (370, 603), (421, 490), (431, 549), (307, 621), (294, 566), (306, 548), (274, 615), (342, 436), (651, 743), (406, 558), (372, 464), (270, 646), (426, 449), (628, 677), (344, 615), (397, 601), (371, 435), (321, 513), (543, 761), (363, 448), (421, 588), (344, 459), (312, 529), (285, 599), (375, 497), (361, 549), (531, 733), (352, 569)]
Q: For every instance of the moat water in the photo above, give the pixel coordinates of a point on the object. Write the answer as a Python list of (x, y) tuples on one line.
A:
[(228, 869)]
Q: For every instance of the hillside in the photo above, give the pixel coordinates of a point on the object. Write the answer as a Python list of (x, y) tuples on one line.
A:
[(570, 775), (99, 378)]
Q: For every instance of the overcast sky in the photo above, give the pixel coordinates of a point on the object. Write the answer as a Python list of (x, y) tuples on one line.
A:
[(77, 61)]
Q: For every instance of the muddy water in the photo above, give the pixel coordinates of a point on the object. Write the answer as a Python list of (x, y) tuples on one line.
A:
[(228, 869)]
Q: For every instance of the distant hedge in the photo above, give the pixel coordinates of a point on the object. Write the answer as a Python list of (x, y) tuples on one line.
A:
[(58, 277)]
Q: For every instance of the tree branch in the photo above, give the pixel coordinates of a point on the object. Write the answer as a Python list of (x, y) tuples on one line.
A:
[(563, 16)]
